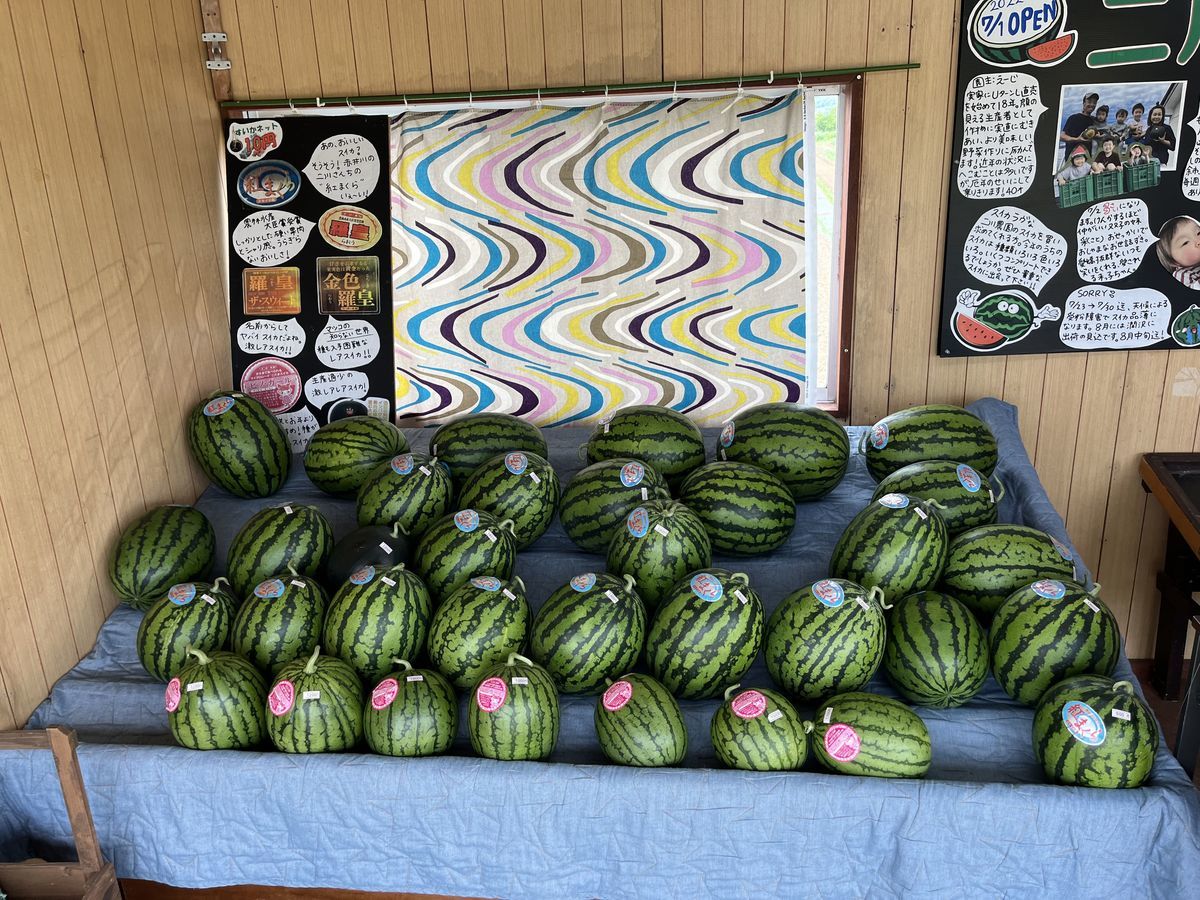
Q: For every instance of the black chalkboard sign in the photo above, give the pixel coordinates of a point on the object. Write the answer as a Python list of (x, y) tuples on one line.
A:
[(310, 279), (1074, 211)]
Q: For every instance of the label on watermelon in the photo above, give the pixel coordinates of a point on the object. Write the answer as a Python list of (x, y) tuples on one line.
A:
[(1062, 549), (774, 715), (388, 581), (363, 575), (534, 476), (490, 535), (491, 694), (414, 678), (829, 593), (727, 434), (282, 698), (173, 695), (1049, 589), (182, 594), (425, 470), (1122, 715), (402, 464), (611, 596), (195, 686), (486, 583), (879, 435), (659, 528), (638, 522), (749, 705), (583, 583), (1091, 604), (209, 600), (707, 587), (519, 680), (632, 474), (509, 594), (296, 582), (516, 463), (617, 695), (1083, 722), (311, 695), (270, 589), (218, 405), (842, 742), (385, 547), (466, 520), (968, 478), (894, 501), (385, 692)]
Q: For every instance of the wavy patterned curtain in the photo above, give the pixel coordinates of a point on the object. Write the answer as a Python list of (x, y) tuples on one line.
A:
[(559, 263)]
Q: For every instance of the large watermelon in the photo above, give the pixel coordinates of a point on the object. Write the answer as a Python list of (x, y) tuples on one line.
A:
[(341, 455), (477, 627), (936, 652), (217, 702), (279, 621), (935, 431), (965, 498), (638, 723), (597, 500), (758, 730), (519, 486), (411, 712), (706, 634), (513, 711), (865, 734), (826, 638), (239, 444), (660, 542), (898, 543), (191, 614), (460, 546), (986, 564), (803, 446), (380, 546), (666, 440), (167, 545), (746, 510), (292, 537), (589, 631), (1048, 631), (467, 443), (412, 490), (315, 705)]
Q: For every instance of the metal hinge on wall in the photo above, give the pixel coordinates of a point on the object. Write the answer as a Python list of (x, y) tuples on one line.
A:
[(215, 41)]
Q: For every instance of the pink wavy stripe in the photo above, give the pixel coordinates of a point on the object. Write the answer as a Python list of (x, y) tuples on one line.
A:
[(651, 391), (509, 332), (527, 171), (600, 240), (487, 179), (752, 253), (549, 400)]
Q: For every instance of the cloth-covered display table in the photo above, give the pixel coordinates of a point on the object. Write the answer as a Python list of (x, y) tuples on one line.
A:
[(983, 821)]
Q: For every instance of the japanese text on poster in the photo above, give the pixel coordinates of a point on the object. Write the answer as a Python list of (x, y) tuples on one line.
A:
[(327, 386), (1000, 113), (347, 344), (1112, 237), (1010, 246), (1100, 316), (299, 426), (344, 167), (270, 237), (266, 336)]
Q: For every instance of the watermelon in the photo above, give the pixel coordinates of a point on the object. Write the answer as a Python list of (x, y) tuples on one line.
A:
[(857, 733), (477, 627), (706, 634), (935, 431), (986, 564), (758, 730), (1094, 732), (376, 616), (192, 614), (667, 441), (975, 334), (638, 723), (240, 446), (513, 712), (936, 653), (278, 539), (315, 705), (826, 638), (965, 498), (412, 712), (746, 510), (460, 546), (518, 486), (589, 631), (217, 701), (380, 546), (803, 446), (597, 500), (1048, 631), (279, 621), (659, 544), (341, 455), (466, 443), (167, 545), (897, 543), (412, 490)]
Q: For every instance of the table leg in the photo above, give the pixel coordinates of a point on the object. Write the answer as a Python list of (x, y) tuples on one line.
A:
[(1176, 582), (1187, 743)]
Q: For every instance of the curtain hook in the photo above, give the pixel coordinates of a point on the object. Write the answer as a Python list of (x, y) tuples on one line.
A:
[(320, 105), (539, 98), (406, 102), (350, 106), (292, 104), (470, 99), (675, 91), (771, 77)]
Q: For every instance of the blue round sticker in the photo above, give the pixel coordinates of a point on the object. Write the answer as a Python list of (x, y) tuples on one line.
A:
[(269, 589), (1062, 549), (466, 520), (1084, 723), (486, 583), (632, 474), (727, 434), (516, 463), (894, 501), (879, 435), (267, 184), (1049, 589), (638, 522), (182, 594), (402, 464), (829, 592), (583, 583), (218, 405), (363, 575), (707, 587), (968, 478)]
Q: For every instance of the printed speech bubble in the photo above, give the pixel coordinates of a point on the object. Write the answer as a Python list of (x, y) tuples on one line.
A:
[(344, 167), (270, 237), (1099, 316), (1000, 112), (347, 344), (1112, 237), (299, 426), (1191, 174), (265, 336), (1010, 246), (250, 141), (325, 387)]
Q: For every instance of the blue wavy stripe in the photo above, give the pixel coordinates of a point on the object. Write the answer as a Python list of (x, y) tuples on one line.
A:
[(426, 185), (639, 173), (594, 405), (582, 245), (786, 373), (533, 328), (433, 253), (589, 172), (486, 395), (660, 247), (774, 261), (633, 117), (788, 165), (494, 253), (736, 173), (689, 388), (423, 394), (746, 330), (477, 325), (561, 117), (441, 120), (659, 336), (798, 325)]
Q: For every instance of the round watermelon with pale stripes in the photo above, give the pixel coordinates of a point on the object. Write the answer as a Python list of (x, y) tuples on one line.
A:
[(933, 431), (292, 537), (412, 490), (279, 621), (639, 723), (758, 730), (865, 734), (803, 446), (936, 654), (666, 440), (411, 712), (477, 627), (898, 543), (513, 711), (518, 486), (461, 546), (466, 443), (167, 545), (597, 500), (217, 701), (381, 546), (238, 443), (746, 510), (986, 564), (191, 614), (315, 705), (964, 497), (341, 455), (660, 542)]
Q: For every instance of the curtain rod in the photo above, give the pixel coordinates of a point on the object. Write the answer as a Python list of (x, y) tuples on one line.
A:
[(551, 93)]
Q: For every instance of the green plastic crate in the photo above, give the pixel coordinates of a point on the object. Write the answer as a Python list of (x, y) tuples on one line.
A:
[(1140, 177), (1073, 193), (1109, 184)]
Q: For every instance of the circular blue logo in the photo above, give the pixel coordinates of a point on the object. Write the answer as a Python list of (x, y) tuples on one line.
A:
[(218, 405), (269, 589), (267, 184), (182, 594), (727, 434), (583, 583), (516, 463), (1084, 723), (968, 478), (829, 592), (632, 474), (1049, 589), (486, 583), (879, 435), (363, 575), (707, 587), (466, 520), (638, 522), (894, 501), (402, 464)]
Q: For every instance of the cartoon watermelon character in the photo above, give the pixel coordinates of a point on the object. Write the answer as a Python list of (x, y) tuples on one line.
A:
[(1186, 327), (1016, 32), (997, 319)]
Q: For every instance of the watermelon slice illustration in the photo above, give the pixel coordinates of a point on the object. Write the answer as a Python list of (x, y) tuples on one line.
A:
[(1002, 318), (975, 334), (1054, 51)]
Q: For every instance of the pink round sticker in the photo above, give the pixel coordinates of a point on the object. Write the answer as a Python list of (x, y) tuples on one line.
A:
[(273, 382), (282, 698), (491, 694), (749, 705), (842, 742), (617, 695), (174, 693), (384, 693)]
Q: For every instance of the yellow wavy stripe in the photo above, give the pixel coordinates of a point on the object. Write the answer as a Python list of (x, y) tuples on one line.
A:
[(678, 328), (465, 176), (713, 241), (768, 170), (614, 168), (569, 396)]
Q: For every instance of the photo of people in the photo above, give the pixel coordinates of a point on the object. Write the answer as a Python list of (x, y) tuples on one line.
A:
[(1178, 250), (1122, 116)]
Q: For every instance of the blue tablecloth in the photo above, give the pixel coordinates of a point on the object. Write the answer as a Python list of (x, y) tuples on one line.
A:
[(982, 821)]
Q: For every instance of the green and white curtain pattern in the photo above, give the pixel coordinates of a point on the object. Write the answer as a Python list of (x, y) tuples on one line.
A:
[(560, 263)]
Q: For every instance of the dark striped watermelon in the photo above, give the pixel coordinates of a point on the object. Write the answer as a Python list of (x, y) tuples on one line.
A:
[(589, 631), (513, 712), (1095, 732), (746, 510), (1048, 631), (217, 701), (192, 614), (898, 543), (341, 455), (758, 730), (467, 443), (934, 431), (965, 498), (411, 712), (660, 542), (638, 723), (936, 652), (278, 539), (825, 639), (279, 621), (666, 440), (597, 500), (167, 545), (706, 634), (380, 546), (239, 444), (412, 489), (477, 627), (375, 617), (803, 446), (519, 486), (460, 546), (315, 705), (986, 564), (865, 734)]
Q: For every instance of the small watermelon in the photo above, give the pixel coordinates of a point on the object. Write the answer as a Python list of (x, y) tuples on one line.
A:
[(664, 439), (466, 443), (660, 542), (936, 652), (638, 723), (279, 621), (964, 498), (315, 705), (412, 490), (513, 712), (897, 543), (518, 486), (238, 443), (986, 564), (597, 500), (341, 455), (380, 546), (758, 730), (803, 446), (167, 545), (746, 510), (411, 712), (460, 546), (192, 614), (217, 701), (934, 431), (278, 539), (865, 734), (477, 627)]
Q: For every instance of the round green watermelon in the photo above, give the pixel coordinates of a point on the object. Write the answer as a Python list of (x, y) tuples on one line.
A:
[(933, 431), (936, 654), (280, 620), (513, 712), (167, 545), (238, 443), (964, 498), (518, 486), (803, 446), (758, 730), (217, 701), (192, 614), (411, 712), (866, 734), (667, 441), (466, 443), (315, 705), (412, 490), (986, 564), (898, 543), (477, 627), (660, 542), (291, 537), (597, 500), (746, 510), (638, 723), (461, 546), (341, 455)]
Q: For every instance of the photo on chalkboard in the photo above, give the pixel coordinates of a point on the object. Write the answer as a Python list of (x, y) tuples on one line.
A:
[(1128, 114), (1178, 249)]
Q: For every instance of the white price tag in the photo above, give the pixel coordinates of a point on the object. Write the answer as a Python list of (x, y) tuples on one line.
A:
[(828, 717), (1122, 715), (1091, 605), (296, 582), (661, 530), (611, 596), (606, 428), (385, 546), (863, 603), (490, 536), (742, 597), (195, 686), (991, 496), (415, 678), (388, 581), (775, 715), (534, 476), (207, 599), (424, 470), (520, 679), (509, 594), (288, 510), (920, 512), (311, 695)]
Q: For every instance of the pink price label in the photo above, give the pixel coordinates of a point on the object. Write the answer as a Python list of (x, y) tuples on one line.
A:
[(282, 698), (617, 695), (749, 705), (174, 693), (491, 694), (384, 693), (842, 742)]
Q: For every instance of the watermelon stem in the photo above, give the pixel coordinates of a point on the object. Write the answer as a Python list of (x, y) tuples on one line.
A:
[(1000, 489), (217, 583), (808, 727), (730, 690), (739, 578), (876, 594), (310, 667), (516, 579), (202, 657), (403, 663), (508, 524), (519, 658), (1123, 686), (862, 442), (1095, 591), (398, 529), (292, 569), (630, 583), (929, 501)]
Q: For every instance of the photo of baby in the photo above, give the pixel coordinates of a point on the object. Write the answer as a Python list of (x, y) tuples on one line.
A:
[(1178, 250)]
